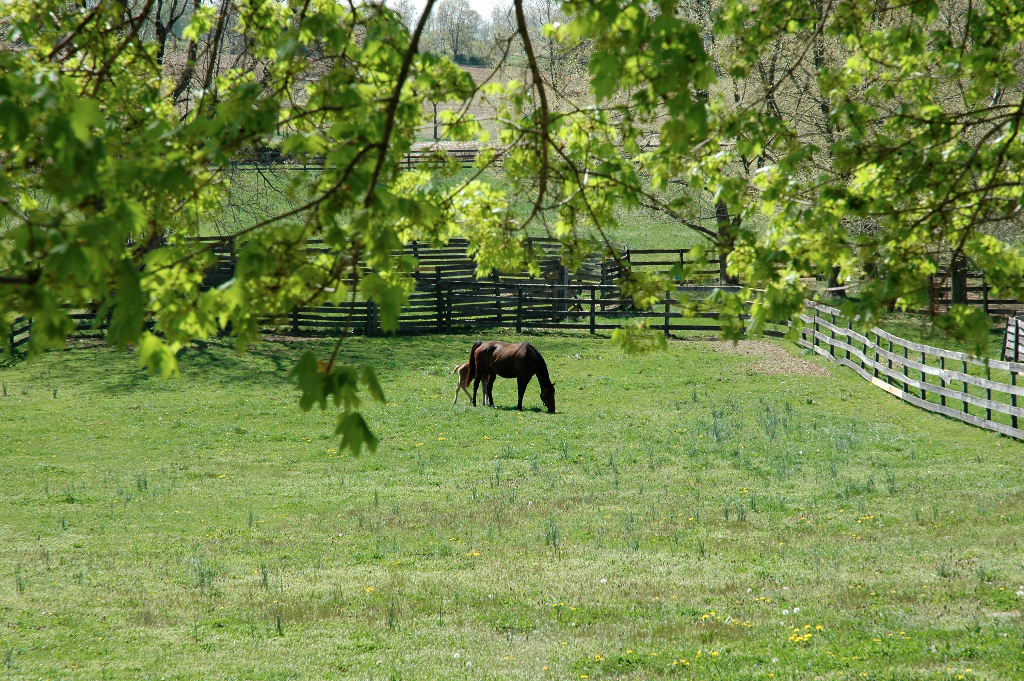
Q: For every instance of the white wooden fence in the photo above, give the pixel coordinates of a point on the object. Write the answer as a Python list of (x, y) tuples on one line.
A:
[(925, 376)]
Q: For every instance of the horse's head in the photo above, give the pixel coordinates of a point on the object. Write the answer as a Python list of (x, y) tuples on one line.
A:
[(548, 397)]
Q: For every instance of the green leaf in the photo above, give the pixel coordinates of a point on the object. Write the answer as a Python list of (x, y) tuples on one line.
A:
[(201, 23), (369, 378), (307, 375), (86, 115), (159, 357), (639, 338), (126, 323), (355, 433)]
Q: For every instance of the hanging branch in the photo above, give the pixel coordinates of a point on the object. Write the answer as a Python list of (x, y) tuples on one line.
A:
[(389, 120), (538, 82)]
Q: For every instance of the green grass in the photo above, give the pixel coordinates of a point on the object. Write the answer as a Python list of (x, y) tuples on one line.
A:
[(680, 506), (919, 329), (254, 194)]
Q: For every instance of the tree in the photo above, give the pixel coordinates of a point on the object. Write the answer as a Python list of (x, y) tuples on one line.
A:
[(456, 26), (905, 149), (408, 13), (102, 184), (917, 164)]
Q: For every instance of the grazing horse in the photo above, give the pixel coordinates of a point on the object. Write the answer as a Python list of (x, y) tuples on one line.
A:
[(463, 371), (488, 360)]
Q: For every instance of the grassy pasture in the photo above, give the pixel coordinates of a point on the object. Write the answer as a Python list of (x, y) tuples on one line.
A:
[(254, 194), (712, 512)]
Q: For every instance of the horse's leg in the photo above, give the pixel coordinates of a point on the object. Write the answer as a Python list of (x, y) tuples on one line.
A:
[(457, 388), (523, 382), (490, 387), (476, 384)]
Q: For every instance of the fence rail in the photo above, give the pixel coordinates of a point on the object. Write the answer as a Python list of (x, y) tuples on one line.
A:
[(926, 380), (448, 295), (463, 305), (274, 158), (451, 306), (454, 263)]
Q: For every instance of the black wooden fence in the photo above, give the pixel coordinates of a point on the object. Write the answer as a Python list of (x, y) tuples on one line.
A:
[(453, 263), (453, 306), (449, 297), (274, 158)]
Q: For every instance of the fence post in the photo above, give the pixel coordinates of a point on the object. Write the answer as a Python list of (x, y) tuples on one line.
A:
[(832, 345), (942, 380), (1013, 398), (668, 317), (440, 299), (497, 298), (967, 409), (958, 280), (988, 392), (1013, 374), (905, 375), (984, 294), (849, 341), (888, 378), (864, 353), (519, 310), (1016, 337), (593, 320), (878, 339), (924, 377)]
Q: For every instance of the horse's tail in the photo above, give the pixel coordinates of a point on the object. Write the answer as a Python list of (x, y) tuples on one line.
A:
[(472, 362)]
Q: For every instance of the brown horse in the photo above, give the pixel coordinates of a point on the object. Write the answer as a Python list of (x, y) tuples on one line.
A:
[(463, 371), (488, 360)]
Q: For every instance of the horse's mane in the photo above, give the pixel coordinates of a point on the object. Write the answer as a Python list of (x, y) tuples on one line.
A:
[(541, 368)]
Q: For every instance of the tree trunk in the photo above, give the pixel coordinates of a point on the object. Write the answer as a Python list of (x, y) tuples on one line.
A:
[(726, 241), (190, 63), (958, 279), (833, 283), (161, 40)]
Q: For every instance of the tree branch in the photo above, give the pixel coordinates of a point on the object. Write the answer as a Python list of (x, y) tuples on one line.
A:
[(538, 82), (389, 120)]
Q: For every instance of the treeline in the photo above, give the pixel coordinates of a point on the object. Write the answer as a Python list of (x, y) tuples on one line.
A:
[(454, 30), (458, 32)]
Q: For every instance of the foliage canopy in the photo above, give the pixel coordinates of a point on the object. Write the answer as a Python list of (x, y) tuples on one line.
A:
[(869, 143)]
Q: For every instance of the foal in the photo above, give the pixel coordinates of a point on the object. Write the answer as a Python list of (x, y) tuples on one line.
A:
[(463, 371), (509, 360)]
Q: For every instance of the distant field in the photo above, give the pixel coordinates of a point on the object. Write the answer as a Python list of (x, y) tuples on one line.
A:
[(256, 194), (711, 512)]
